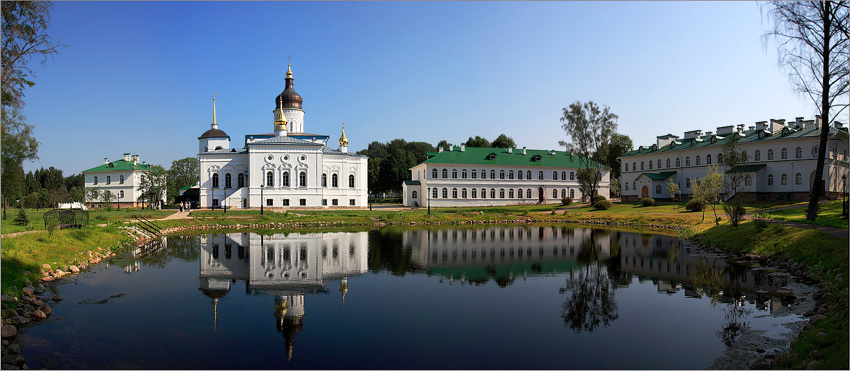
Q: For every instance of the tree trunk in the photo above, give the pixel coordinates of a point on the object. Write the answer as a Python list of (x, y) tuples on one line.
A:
[(817, 187)]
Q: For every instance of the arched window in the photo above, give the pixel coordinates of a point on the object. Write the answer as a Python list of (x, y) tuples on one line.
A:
[(121, 179), (269, 179), (563, 193), (769, 179), (511, 193), (433, 173), (668, 162), (815, 151), (798, 153), (719, 158), (483, 193), (493, 193), (572, 193), (687, 160), (454, 173), (519, 193), (784, 153), (228, 181), (708, 159), (554, 175), (687, 183), (334, 180), (501, 174), (510, 174), (240, 180), (641, 165), (454, 192), (434, 193), (748, 181), (658, 189), (120, 194), (519, 174), (215, 180), (108, 179), (445, 173), (659, 163), (634, 166), (302, 179), (474, 193), (784, 179), (492, 174), (325, 178), (540, 175), (285, 181), (770, 154), (627, 186), (445, 193), (627, 166), (474, 174), (634, 186), (483, 174), (463, 193), (698, 161), (563, 175), (678, 162), (554, 193), (650, 164), (351, 181), (502, 193), (413, 194), (528, 175), (572, 175), (528, 193), (798, 179), (95, 180)]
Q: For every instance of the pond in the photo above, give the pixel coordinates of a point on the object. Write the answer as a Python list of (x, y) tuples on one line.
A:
[(517, 297)]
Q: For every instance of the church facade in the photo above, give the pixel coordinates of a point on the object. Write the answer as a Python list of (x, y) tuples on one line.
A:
[(283, 169)]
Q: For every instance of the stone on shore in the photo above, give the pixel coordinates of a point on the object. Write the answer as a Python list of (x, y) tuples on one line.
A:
[(57, 298), (28, 290), (74, 269), (7, 298), (9, 331), (39, 314), (45, 266), (47, 279)]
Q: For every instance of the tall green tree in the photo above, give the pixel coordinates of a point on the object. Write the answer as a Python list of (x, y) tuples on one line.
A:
[(183, 172), (813, 48), (734, 180), (616, 147), (503, 141), (389, 163), (152, 185), (589, 128), (478, 141), (443, 143)]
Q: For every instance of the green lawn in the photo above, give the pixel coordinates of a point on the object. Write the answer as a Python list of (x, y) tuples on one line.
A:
[(829, 215), (36, 217)]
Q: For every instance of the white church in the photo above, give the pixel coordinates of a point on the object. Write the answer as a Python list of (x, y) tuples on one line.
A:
[(282, 169)]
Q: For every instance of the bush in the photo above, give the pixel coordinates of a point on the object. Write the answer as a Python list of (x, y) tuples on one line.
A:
[(695, 205), (598, 198), (602, 204), (566, 201), (735, 212), (22, 219), (647, 201)]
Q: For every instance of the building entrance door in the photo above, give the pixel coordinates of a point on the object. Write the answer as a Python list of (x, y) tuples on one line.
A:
[(644, 192), (540, 195)]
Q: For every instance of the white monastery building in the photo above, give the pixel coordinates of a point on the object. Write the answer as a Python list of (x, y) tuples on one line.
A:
[(282, 169), (471, 176), (121, 178), (782, 158)]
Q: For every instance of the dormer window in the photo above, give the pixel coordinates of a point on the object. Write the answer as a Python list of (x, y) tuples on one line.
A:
[(492, 156), (654, 147), (713, 139), (785, 132), (536, 158), (693, 142)]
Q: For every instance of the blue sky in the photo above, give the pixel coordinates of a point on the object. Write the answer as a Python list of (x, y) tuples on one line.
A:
[(139, 76)]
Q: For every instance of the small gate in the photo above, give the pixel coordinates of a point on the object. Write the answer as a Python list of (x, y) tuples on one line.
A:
[(66, 218)]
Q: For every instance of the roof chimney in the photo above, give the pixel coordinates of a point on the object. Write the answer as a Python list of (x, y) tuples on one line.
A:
[(106, 160), (740, 128), (523, 148), (552, 153), (510, 150), (451, 147), (463, 147), (440, 149)]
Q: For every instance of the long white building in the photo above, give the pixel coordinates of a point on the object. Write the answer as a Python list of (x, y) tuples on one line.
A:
[(120, 179), (782, 158), (471, 176), (282, 169)]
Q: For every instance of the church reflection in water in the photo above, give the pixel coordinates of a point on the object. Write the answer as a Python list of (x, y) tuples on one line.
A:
[(286, 266)]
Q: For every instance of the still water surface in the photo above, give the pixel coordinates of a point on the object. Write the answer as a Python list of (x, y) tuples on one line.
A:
[(529, 297)]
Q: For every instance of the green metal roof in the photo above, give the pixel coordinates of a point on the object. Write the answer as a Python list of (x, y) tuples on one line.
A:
[(412, 182), (746, 168), (749, 136), (500, 156), (659, 176), (119, 166)]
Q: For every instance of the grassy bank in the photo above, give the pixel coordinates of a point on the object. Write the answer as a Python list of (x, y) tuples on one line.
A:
[(36, 218), (829, 215)]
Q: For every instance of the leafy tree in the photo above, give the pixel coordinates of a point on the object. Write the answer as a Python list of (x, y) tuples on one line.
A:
[(707, 190), (673, 189), (93, 194), (443, 143), (503, 141), (478, 142), (183, 172), (615, 186), (590, 128), (77, 180), (733, 183), (152, 185), (389, 163), (616, 147), (813, 47), (106, 196)]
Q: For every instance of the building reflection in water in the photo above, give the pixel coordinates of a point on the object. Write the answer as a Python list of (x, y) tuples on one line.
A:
[(286, 266)]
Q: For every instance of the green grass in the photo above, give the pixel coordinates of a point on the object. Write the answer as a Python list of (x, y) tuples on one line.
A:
[(36, 220), (36, 217), (829, 215)]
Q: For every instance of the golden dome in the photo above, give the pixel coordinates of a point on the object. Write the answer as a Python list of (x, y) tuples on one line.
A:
[(343, 141)]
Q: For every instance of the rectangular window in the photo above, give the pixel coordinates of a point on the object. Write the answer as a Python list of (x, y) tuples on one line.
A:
[(215, 202), (335, 202), (302, 202), (325, 202), (269, 202), (351, 202), (285, 202)]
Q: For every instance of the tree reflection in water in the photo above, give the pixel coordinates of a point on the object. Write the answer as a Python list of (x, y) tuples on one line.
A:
[(710, 279), (591, 293)]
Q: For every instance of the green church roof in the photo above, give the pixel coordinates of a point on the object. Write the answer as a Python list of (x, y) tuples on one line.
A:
[(119, 165), (659, 176), (501, 157)]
